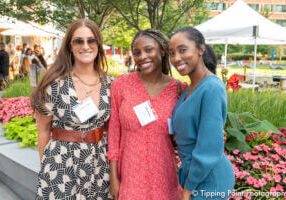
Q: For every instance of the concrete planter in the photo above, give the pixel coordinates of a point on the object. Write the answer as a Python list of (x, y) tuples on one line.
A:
[(19, 168)]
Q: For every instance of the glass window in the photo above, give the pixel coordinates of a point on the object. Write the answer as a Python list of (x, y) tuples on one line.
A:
[(254, 6), (281, 22), (220, 6), (280, 8), (216, 6)]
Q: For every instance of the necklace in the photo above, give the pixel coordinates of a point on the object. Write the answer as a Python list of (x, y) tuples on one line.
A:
[(87, 84)]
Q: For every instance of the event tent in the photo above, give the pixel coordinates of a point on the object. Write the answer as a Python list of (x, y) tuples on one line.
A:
[(240, 24), (11, 26), (235, 25)]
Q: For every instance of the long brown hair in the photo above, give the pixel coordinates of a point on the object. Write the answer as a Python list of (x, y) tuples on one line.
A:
[(65, 60)]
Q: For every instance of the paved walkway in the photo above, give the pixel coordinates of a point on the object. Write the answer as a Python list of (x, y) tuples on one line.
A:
[(6, 193)]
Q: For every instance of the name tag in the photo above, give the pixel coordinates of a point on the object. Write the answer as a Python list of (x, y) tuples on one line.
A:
[(171, 131), (85, 110), (144, 113)]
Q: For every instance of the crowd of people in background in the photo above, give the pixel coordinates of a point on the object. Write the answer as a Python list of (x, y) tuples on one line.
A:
[(16, 62)]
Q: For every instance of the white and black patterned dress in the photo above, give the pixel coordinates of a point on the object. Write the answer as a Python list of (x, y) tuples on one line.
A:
[(74, 171)]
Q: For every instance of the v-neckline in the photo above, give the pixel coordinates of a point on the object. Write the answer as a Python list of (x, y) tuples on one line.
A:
[(76, 94), (147, 93)]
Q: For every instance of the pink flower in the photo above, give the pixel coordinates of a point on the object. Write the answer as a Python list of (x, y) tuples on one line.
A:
[(284, 180), (236, 151), (256, 165), (279, 188), (250, 180), (262, 182), (277, 178), (241, 174), (273, 189), (230, 157), (268, 177), (239, 161)]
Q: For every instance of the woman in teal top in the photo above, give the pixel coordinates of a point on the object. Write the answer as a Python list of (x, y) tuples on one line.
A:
[(198, 121)]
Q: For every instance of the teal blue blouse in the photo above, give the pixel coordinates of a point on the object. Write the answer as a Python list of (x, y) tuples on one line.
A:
[(198, 123)]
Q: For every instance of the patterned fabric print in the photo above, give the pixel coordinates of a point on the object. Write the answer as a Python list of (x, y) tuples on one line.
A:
[(62, 98), (76, 171)]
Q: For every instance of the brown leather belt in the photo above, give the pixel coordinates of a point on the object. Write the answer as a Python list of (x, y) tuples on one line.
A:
[(93, 136)]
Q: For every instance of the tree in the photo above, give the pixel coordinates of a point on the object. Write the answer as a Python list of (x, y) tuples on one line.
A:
[(59, 12), (164, 15)]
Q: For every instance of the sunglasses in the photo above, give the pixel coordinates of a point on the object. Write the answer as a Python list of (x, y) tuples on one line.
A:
[(79, 42)]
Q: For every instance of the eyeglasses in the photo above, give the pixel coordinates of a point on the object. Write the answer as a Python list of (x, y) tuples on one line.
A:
[(79, 42)]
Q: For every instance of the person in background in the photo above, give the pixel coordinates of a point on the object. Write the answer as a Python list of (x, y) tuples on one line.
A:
[(39, 55), (198, 120), (4, 65), (27, 60), (141, 154), (25, 46), (72, 107)]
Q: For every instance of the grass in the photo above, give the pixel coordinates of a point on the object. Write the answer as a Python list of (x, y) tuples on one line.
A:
[(266, 105), (19, 87)]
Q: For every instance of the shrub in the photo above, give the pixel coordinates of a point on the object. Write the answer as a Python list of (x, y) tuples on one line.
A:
[(266, 105), (18, 87), (23, 129)]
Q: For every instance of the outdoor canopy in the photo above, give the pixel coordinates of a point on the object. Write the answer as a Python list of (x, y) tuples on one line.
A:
[(235, 25), (11, 26), (240, 24)]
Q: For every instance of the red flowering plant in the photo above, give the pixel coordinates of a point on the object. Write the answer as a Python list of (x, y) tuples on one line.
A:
[(261, 173), (14, 107), (233, 82)]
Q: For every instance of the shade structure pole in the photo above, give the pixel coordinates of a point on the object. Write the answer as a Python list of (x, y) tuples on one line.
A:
[(255, 34), (225, 53)]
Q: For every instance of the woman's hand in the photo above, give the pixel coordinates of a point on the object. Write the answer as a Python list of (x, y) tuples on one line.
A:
[(114, 187), (186, 194)]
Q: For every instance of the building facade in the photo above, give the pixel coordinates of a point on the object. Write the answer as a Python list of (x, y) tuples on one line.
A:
[(274, 10)]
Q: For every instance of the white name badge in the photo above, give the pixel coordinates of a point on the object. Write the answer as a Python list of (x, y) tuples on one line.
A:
[(144, 113), (85, 110), (171, 131)]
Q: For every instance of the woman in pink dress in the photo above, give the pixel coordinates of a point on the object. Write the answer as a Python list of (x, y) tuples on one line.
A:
[(140, 150)]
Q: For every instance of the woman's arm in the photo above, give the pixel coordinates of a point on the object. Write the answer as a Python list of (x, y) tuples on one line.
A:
[(114, 180), (43, 124)]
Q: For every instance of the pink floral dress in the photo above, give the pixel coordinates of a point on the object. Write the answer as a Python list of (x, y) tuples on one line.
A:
[(146, 160)]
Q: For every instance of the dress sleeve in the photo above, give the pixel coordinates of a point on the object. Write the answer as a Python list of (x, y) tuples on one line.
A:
[(49, 106), (114, 130), (210, 146)]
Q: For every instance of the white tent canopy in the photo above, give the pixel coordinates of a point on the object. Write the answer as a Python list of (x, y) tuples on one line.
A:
[(16, 27), (235, 25), (240, 24)]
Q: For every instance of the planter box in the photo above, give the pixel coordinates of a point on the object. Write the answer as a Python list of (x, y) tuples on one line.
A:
[(19, 168)]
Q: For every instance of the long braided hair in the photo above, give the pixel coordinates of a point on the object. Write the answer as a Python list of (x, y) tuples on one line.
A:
[(163, 42)]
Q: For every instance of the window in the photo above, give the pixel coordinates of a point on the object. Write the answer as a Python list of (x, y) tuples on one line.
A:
[(281, 22), (280, 8), (216, 6), (268, 8), (254, 6)]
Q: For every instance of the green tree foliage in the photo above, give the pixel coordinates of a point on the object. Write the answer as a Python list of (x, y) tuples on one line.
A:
[(60, 12), (165, 15)]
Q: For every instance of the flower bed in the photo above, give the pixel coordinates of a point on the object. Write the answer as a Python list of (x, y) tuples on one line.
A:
[(14, 107), (261, 173)]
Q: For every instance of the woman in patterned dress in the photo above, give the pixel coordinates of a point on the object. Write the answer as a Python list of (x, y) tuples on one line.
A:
[(142, 160), (72, 104)]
